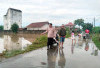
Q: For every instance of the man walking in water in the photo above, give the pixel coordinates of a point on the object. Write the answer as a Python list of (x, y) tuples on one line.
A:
[(87, 33), (62, 34), (51, 33)]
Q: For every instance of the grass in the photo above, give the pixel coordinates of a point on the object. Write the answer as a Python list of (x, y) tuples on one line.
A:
[(68, 35), (96, 40), (38, 43)]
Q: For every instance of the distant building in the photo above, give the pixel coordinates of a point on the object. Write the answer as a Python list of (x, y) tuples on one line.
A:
[(38, 26), (70, 25), (12, 16)]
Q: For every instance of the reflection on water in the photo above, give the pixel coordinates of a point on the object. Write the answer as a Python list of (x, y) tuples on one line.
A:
[(56, 58), (89, 46), (13, 42), (62, 60), (72, 48), (85, 55), (85, 45), (52, 56)]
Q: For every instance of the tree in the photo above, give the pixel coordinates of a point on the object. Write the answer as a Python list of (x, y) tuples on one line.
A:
[(14, 28), (79, 22), (88, 26), (1, 27)]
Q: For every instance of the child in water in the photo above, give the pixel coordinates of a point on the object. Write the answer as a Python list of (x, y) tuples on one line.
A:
[(79, 35), (73, 37)]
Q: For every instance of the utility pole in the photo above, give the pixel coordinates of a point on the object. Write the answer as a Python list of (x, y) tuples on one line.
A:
[(94, 21), (94, 24)]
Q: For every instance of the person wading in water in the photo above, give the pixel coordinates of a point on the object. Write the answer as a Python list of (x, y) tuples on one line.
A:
[(62, 34), (51, 31)]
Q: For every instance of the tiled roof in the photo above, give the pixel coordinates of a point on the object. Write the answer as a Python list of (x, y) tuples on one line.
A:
[(69, 24), (15, 9), (37, 24), (12, 9)]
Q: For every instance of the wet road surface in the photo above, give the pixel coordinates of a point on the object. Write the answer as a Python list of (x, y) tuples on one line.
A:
[(83, 54)]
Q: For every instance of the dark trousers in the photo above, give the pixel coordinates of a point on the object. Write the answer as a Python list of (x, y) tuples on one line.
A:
[(50, 43)]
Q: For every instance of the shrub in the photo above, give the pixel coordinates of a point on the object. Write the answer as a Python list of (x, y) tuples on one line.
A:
[(14, 28)]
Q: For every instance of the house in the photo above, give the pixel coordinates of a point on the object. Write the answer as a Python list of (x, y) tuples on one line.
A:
[(20, 28), (38, 26), (70, 25), (12, 16)]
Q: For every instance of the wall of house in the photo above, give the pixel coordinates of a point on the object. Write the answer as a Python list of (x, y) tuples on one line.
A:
[(16, 17), (5, 22), (33, 28), (44, 27), (12, 17), (41, 28)]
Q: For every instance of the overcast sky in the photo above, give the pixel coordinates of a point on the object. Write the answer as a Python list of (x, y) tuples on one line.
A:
[(55, 11)]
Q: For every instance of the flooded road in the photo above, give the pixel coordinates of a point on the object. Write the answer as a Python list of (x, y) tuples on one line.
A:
[(83, 54)]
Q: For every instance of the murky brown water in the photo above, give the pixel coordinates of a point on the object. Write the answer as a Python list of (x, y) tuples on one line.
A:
[(16, 42)]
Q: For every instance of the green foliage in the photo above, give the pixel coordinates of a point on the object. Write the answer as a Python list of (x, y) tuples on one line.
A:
[(79, 22), (96, 40), (38, 43), (12, 53), (79, 30), (96, 30), (1, 27), (68, 35), (67, 32), (14, 28), (41, 40), (88, 26)]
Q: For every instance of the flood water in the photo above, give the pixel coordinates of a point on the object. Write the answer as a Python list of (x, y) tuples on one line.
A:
[(16, 42), (83, 54)]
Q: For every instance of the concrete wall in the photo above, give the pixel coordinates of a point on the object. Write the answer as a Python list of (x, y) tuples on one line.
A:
[(5, 22), (16, 17)]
